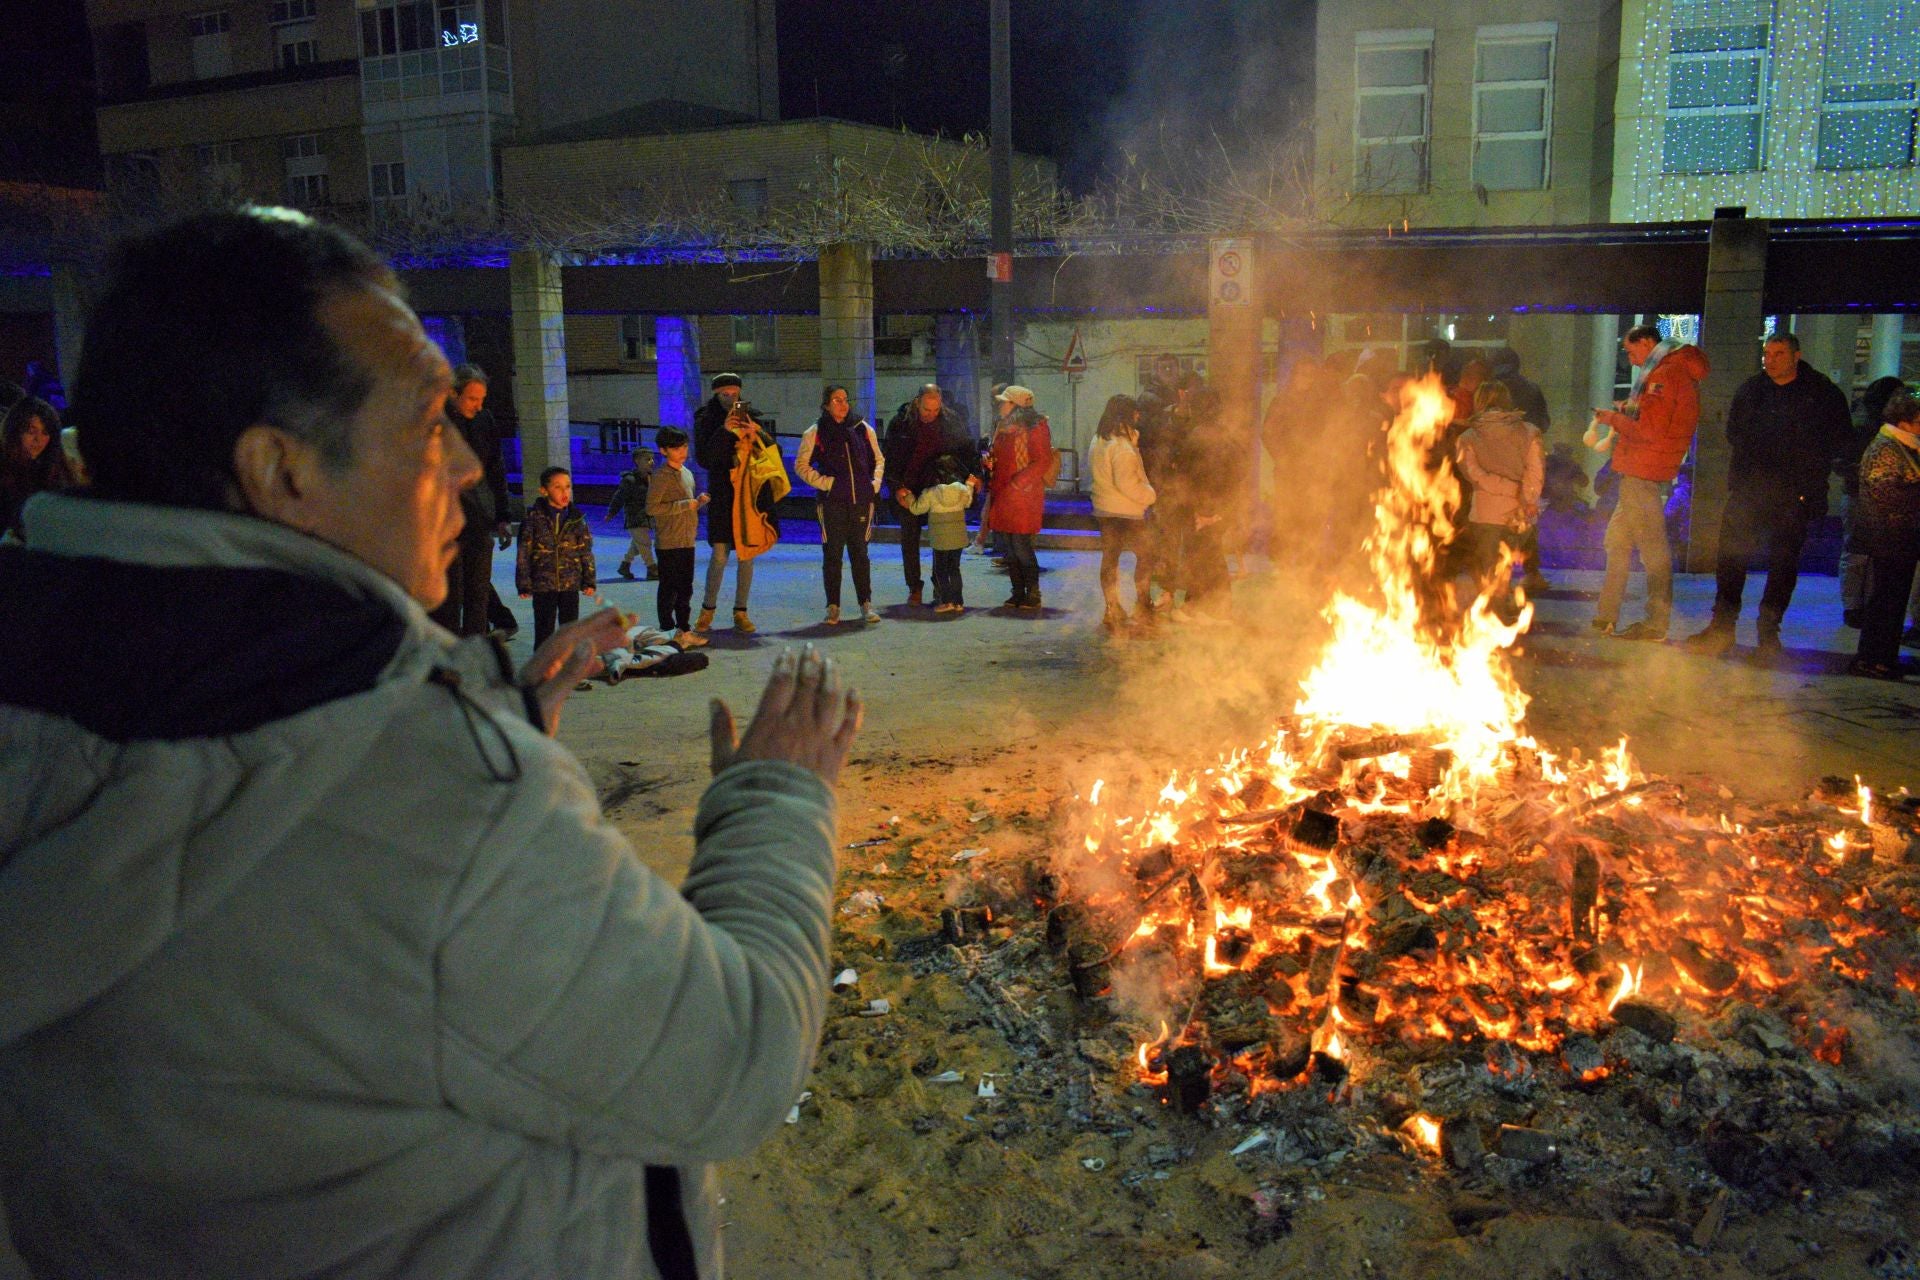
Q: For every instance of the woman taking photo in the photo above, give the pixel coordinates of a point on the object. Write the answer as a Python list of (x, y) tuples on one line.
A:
[(840, 457), (1121, 497)]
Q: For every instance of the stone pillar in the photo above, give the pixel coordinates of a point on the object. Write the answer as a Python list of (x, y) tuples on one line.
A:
[(846, 323), (1883, 353), (1830, 344), (539, 364), (1732, 322), (956, 364), (69, 320), (1235, 320), (676, 367)]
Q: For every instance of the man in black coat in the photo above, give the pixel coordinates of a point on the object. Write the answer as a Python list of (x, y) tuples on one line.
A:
[(714, 447), (922, 432), (1787, 425), (470, 576)]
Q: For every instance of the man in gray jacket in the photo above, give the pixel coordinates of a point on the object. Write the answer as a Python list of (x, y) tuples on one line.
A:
[(317, 956)]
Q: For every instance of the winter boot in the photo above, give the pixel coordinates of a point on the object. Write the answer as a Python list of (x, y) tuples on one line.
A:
[(1712, 641)]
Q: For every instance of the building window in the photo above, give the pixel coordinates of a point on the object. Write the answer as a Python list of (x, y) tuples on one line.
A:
[(387, 181), (211, 55), (1867, 98), (755, 338), (1392, 111), (748, 195), (637, 338), (495, 29), (306, 167), (1513, 108), (1717, 86), (294, 41), (219, 165)]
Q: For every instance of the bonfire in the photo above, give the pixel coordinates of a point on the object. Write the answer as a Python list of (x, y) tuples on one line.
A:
[(1400, 870)]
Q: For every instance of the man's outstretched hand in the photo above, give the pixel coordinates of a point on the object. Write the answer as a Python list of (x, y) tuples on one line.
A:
[(569, 656), (806, 717)]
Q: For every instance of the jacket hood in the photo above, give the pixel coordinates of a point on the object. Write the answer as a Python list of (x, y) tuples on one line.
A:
[(145, 679), (1684, 356)]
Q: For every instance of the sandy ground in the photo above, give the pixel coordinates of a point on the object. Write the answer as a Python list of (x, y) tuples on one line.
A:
[(976, 724)]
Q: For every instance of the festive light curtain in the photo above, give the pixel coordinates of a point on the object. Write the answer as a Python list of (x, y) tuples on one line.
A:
[(1717, 86), (1872, 53)]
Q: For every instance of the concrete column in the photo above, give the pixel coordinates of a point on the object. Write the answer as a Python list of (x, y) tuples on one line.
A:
[(1830, 344), (1236, 317), (676, 349), (1602, 362), (69, 320), (1883, 352), (956, 363), (1732, 322), (539, 364), (846, 322)]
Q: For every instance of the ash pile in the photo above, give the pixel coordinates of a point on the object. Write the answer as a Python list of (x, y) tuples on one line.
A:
[(1535, 978)]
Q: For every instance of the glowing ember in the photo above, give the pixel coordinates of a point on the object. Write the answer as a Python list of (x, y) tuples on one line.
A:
[(1425, 1132)]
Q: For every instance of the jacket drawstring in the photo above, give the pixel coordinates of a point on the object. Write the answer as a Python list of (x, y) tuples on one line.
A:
[(449, 679)]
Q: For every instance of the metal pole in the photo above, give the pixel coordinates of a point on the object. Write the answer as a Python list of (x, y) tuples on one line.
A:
[(1000, 165)]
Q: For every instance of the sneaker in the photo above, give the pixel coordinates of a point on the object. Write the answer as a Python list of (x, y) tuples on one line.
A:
[(1114, 619), (1032, 603), (1875, 670), (704, 623), (742, 623), (1713, 641), (1014, 601), (868, 613), (833, 615), (1640, 631), (690, 640), (1769, 649), (1601, 627), (913, 595), (1536, 583), (653, 573), (626, 571)]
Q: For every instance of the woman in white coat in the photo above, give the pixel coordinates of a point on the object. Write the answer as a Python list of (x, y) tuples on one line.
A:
[(1121, 498)]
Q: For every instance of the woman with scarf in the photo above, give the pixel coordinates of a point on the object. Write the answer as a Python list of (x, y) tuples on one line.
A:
[(1887, 528), (840, 457), (1023, 466)]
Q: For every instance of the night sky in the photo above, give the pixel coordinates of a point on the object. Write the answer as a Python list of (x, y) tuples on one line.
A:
[(1093, 79)]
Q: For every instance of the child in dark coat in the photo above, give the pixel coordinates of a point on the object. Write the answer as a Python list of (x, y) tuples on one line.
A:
[(629, 504), (555, 566)]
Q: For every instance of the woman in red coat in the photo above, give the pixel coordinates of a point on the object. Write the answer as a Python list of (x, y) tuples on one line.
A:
[(1022, 467)]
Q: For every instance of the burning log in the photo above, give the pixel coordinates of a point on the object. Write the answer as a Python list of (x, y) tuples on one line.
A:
[(1189, 1078), (1434, 833), (1585, 898), (1656, 1025), (1461, 1143), (1427, 769), (961, 925), (1316, 829), (1702, 967), (1386, 745), (1235, 1011), (1089, 970)]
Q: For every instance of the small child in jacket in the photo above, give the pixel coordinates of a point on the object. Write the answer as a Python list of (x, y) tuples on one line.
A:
[(945, 504), (675, 510), (629, 504), (555, 566)]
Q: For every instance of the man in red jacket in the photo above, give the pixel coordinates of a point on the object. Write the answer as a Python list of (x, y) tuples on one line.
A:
[(1652, 433)]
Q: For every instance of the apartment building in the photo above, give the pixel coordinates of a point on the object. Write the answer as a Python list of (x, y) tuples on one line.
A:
[(378, 106)]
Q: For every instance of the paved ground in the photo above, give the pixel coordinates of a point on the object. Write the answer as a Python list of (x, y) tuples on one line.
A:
[(959, 704)]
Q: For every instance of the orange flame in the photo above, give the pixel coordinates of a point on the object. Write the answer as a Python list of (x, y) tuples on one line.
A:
[(1425, 1132)]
